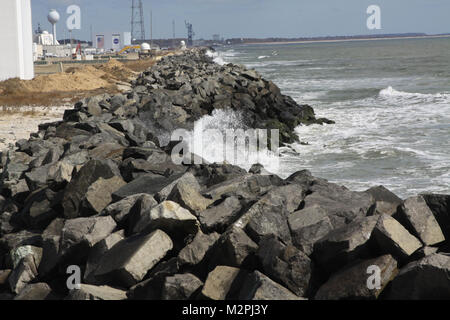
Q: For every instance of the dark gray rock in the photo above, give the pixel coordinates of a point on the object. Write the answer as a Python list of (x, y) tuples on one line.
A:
[(121, 210), (233, 249), (168, 216), (344, 245), (308, 226), (186, 192), (98, 195), (220, 282), (386, 201), (38, 211), (35, 291), (76, 190), (180, 287), (219, 217), (342, 206), (391, 237), (352, 283), (440, 206), (426, 279), (286, 265), (96, 254), (26, 261), (257, 286), (126, 263), (150, 184), (417, 217), (90, 292), (196, 251)]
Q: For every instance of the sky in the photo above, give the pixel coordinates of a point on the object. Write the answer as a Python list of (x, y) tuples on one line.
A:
[(251, 18)]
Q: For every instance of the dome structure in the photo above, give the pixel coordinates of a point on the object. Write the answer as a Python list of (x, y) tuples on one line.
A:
[(53, 16), (145, 46)]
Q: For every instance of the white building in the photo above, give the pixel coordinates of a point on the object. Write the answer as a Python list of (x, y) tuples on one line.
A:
[(16, 40), (45, 38), (108, 41)]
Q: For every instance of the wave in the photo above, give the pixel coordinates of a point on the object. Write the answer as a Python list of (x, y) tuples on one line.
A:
[(209, 141), (217, 58), (390, 92)]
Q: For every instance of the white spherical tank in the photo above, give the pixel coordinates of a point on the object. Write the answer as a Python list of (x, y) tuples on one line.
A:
[(145, 46), (53, 16)]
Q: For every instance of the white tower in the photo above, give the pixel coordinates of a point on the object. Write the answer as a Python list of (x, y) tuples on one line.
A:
[(16, 40), (53, 17)]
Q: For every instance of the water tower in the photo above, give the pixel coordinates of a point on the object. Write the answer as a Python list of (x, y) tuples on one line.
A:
[(53, 17)]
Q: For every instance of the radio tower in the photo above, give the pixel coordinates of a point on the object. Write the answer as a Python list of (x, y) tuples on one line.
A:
[(191, 33), (137, 20)]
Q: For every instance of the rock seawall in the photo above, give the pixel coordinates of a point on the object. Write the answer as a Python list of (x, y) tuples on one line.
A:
[(99, 192)]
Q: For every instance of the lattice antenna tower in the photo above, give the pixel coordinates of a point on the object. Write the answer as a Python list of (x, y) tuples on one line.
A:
[(137, 20), (191, 33)]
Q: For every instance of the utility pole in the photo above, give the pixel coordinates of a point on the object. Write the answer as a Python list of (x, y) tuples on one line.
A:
[(92, 36), (173, 34), (151, 29)]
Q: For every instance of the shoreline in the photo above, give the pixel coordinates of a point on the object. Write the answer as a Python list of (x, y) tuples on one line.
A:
[(341, 40)]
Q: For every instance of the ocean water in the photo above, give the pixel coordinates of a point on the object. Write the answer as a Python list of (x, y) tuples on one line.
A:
[(390, 100)]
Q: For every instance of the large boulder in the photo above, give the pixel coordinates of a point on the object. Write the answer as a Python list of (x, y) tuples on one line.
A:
[(342, 205), (149, 183), (440, 206), (386, 201), (187, 193), (417, 217), (90, 292), (127, 262), (35, 291), (286, 265), (308, 226), (26, 261), (353, 282), (234, 248), (257, 286), (220, 283), (76, 190), (168, 216), (344, 245), (220, 217), (391, 237), (269, 216), (197, 250), (70, 241), (180, 287), (426, 279), (98, 195), (96, 254)]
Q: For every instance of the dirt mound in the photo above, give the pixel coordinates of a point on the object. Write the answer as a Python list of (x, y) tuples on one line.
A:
[(75, 83), (116, 70), (74, 79), (86, 78)]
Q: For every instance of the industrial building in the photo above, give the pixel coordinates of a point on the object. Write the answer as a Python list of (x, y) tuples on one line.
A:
[(111, 41), (16, 40)]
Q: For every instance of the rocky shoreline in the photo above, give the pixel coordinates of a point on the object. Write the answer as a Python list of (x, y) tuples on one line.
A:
[(98, 193)]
